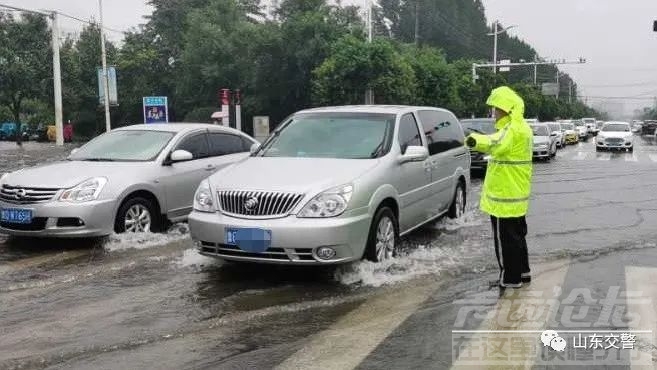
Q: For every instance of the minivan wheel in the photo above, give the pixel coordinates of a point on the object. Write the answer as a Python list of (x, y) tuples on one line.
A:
[(137, 215), (457, 209), (383, 237)]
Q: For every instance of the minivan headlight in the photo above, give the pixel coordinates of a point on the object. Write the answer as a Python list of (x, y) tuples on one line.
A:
[(86, 191), (3, 177), (330, 203), (203, 201)]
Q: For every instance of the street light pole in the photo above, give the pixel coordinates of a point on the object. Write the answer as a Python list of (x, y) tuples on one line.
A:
[(496, 32), (105, 77), (57, 81)]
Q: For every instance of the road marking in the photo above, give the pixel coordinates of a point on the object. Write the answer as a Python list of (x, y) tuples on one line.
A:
[(653, 157), (642, 280), (546, 279), (351, 339)]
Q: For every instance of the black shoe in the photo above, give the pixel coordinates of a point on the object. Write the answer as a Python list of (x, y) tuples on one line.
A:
[(526, 278)]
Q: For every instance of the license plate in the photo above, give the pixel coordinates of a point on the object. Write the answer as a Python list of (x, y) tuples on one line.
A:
[(252, 240), (16, 216)]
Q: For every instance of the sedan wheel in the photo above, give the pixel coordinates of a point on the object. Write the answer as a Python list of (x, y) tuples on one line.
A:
[(137, 219), (138, 215)]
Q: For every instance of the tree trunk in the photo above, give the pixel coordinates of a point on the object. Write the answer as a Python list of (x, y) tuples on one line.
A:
[(16, 111)]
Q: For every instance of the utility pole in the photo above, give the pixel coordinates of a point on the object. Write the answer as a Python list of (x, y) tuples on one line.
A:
[(108, 122), (570, 92), (558, 85), (417, 23), (369, 94), (57, 81), (535, 74)]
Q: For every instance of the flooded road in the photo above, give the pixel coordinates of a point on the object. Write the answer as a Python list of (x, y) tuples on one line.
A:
[(151, 301)]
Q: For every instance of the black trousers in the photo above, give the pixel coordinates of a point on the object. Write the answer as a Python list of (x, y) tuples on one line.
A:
[(511, 248)]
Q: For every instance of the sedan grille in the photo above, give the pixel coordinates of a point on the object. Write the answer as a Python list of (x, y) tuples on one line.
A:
[(26, 195), (614, 140), (257, 203)]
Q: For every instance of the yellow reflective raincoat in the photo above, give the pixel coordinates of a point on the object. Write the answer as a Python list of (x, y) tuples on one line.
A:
[(507, 185)]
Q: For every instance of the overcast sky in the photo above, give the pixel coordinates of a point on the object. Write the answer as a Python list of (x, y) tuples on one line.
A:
[(614, 36)]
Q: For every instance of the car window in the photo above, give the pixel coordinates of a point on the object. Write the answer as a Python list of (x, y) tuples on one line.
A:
[(223, 144), (197, 144), (409, 134), (442, 130)]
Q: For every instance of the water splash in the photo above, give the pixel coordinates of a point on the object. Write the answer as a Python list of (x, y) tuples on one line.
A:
[(126, 241)]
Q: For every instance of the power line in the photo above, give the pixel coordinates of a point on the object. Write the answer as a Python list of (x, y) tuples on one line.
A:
[(50, 12)]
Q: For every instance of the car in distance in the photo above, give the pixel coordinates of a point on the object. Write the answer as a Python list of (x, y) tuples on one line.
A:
[(545, 145), (582, 131), (481, 126), (591, 126), (333, 185), (133, 179), (648, 127), (555, 128), (615, 136), (570, 135)]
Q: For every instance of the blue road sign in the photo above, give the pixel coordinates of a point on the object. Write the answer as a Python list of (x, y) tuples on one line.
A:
[(156, 109)]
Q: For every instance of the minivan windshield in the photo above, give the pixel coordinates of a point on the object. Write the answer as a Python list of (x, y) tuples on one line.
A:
[(124, 145), (332, 135), (540, 131), (616, 127), (567, 126)]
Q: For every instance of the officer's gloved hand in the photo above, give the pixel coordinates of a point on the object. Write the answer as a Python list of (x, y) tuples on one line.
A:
[(470, 142)]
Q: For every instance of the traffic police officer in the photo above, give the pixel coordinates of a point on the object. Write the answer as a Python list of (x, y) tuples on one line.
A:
[(507, 186)]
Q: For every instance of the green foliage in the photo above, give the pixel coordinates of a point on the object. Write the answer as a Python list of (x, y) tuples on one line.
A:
[(25, 60)]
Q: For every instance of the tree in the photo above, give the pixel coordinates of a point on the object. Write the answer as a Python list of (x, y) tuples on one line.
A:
[(25, 61)]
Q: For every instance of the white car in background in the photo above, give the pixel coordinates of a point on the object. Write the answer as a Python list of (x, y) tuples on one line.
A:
[(555, 129), (591, 126), (615, 136), (545, 145), (582, 131)]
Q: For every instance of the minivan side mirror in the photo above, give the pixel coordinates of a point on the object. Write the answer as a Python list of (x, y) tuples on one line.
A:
[(181, 156), (254, 148), (414, 154)]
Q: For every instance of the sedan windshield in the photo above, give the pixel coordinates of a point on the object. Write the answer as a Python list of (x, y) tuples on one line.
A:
[(616, 127), (332, 135), (554, 127), (124, 145), (540, 131), (567, 126), (480, 126)]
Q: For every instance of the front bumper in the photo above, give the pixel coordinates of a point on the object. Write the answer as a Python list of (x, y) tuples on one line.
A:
[(571, 139), (294, 241), (541, 153), (605, 145), (58, 219)]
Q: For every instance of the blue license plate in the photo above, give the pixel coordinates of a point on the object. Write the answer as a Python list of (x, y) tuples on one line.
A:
[(251, 240), (16, 216)]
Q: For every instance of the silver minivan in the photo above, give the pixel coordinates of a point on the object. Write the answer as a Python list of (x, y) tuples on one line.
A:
[(333, 185)]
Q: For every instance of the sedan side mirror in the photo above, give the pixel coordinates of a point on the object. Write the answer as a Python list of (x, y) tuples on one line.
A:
[(254, 148), (414, 154), (181, 156), (74, 151), (553, 134)]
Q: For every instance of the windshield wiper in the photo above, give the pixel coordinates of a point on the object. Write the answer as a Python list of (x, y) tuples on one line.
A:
[(475, 130), (97, 159)]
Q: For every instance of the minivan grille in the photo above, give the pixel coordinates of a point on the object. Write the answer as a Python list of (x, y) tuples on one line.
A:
[(257, 203), (26, 195)]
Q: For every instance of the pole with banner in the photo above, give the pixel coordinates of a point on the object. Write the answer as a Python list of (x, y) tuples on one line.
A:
[(156, 109), (225, 105), (238, 110)]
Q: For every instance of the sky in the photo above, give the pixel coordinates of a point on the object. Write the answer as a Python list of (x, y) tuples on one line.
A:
[(614, 36)]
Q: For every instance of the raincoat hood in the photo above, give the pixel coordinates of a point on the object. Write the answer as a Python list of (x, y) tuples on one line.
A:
[(507, 100)]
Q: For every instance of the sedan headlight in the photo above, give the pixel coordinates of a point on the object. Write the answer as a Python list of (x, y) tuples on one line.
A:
[(203, 201), (330, 203), (85, 191)]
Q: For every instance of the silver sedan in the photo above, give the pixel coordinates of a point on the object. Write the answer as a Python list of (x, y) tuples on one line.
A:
[(133, 179)]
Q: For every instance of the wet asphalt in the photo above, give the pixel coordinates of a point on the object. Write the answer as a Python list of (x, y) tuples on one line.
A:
[(150, 301)]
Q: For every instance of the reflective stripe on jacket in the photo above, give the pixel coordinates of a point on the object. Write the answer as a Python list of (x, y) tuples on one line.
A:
[(507, 185)]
